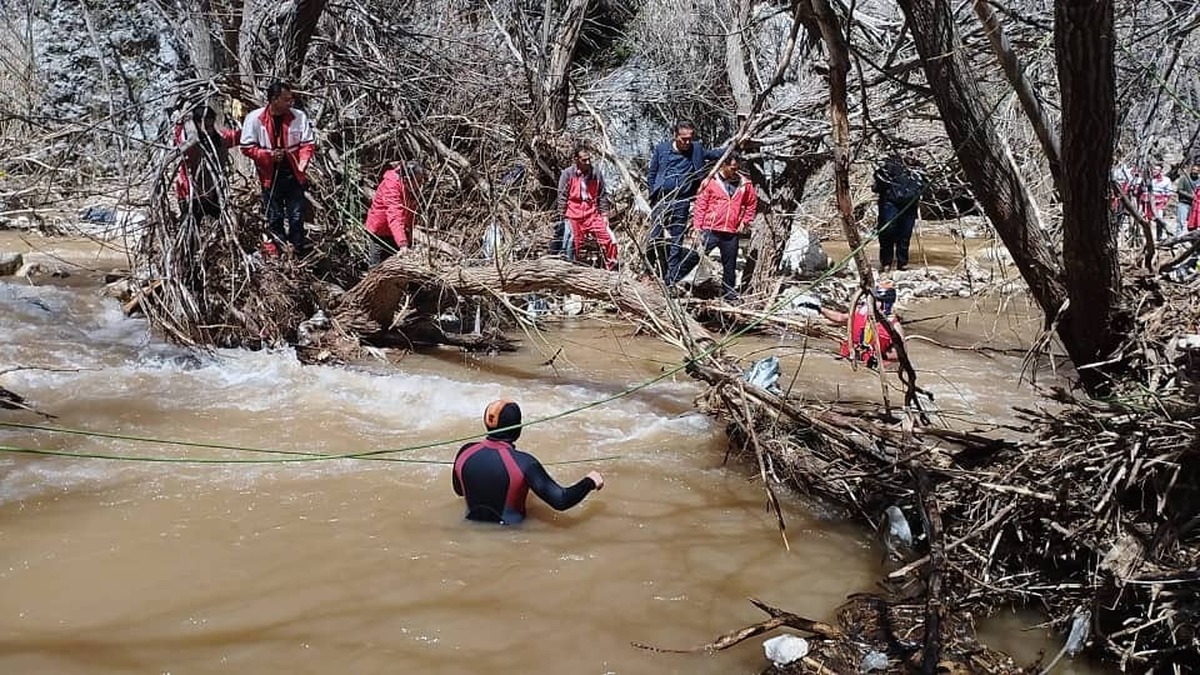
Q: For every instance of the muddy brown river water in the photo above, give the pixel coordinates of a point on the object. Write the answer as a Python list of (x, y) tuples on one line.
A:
[(357, 566)]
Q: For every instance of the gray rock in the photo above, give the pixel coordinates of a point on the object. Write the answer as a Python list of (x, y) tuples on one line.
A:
[(10, 263), (31, 270), (120, 289)]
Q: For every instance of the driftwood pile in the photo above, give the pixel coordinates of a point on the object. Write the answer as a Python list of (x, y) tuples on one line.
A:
[(1089, 513)]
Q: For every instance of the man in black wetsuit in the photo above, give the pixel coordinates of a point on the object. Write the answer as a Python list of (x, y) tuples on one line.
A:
[(495, 477)]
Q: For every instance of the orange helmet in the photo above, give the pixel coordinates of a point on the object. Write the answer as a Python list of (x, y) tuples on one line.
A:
[(501, 414)]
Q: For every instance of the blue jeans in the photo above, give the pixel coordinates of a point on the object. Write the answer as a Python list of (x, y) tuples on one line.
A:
[(284, 205), (727, 243), (568, 241), (895, 232), (671, 217), (1182, 211)]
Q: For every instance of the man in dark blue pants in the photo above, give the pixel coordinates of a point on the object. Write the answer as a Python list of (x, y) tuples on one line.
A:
[(676, 167), (899, 190)]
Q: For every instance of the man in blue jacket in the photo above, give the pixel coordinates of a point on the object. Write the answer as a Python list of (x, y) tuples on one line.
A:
[(676, 167)]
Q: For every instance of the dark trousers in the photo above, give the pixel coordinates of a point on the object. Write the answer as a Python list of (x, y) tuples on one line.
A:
[(669, 217), (727, 243), (895, 232), (379, 248), (284, 205), (199, 207)]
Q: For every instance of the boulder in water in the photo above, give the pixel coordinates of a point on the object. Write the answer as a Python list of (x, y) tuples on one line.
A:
[(10, 263)]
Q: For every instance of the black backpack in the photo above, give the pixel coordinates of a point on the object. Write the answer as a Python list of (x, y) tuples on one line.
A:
[(905, 188)]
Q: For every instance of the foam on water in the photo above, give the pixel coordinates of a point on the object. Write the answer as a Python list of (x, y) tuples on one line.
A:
[(118, 379)]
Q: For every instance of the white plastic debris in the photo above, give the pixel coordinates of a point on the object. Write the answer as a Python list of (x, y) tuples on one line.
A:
[(784, 649), (803, 255), (1191, 341), (1079, 632), (536, 305), (764, 374), (572, 305), (873, 661), (803, 304), (898, 525), (493, 238)]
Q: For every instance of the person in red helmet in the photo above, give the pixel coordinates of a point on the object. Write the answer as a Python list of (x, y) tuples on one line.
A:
[(494, 477)]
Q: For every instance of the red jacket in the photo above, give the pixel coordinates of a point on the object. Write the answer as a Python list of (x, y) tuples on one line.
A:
[(258, 140), (393, 209), (192, 171), (719, 211), (571, 202)]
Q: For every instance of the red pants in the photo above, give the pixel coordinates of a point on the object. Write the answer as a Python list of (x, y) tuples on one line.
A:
[(597, 226)]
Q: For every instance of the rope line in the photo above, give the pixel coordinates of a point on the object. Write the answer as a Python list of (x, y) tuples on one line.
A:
[(296, 456), (16, 450)]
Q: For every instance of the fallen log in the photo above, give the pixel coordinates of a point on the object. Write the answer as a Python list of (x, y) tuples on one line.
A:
[(370, 306)]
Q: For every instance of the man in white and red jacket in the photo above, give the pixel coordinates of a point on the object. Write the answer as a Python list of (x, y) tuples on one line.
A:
[(583, 204), (281, 142), (393, 210), (725, 205)]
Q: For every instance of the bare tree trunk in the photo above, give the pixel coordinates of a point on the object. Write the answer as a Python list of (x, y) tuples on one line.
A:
[(1016, 77), (558, 64), (768, 242), (229, 13), (980, 151), (550, 90), (1083, 37), (839, 71), (735, 57), (208, 55), (264, 55), (253, 52), (301, 26)]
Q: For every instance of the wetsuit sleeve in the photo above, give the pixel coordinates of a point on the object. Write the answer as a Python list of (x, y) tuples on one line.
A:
[(551, 492)]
